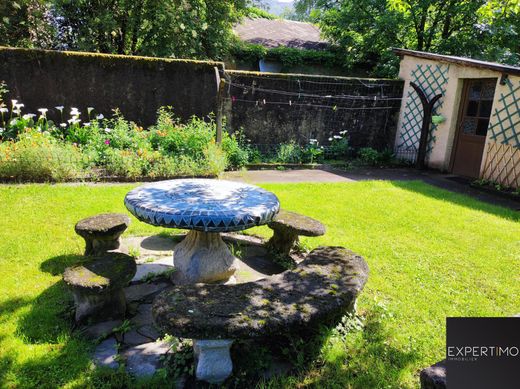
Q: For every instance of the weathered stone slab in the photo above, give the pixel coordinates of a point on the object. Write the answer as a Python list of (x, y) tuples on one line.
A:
[(134, 338), (143, 360), (145, 270), (140, 292), (100, 330), (323, 287), (143, 316), (106, 353), (149, 331)]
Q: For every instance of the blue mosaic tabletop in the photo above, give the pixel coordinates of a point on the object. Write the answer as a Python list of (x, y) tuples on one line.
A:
[(202, 205)]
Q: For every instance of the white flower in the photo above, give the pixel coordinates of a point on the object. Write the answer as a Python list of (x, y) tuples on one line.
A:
[(43, 111), (194, 33), (74, 112), (28, 116), (63, 125), (4, 110), (330, 139), (313, 140), (86, 124), (19, 106), (337, 137), (74, 120), (107, 130), (100, 116), (2, 130), (13, 122), (17, 111), (90, 109), (60, 108), (14, 102)]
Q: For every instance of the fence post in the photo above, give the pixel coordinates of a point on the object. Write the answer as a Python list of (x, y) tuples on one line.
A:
[(220, 98)]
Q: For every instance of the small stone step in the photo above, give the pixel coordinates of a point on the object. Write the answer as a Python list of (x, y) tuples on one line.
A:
[(106, 353), (100, 330), (144, 360), (155, 268), (140, 292)]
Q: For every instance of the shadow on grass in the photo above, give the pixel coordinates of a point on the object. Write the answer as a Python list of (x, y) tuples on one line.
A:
[(57, 265), (353, 359), (463, 200)]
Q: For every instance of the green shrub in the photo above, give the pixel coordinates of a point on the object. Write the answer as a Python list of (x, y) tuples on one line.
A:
[(368, 155), (289, 153), (235, 148), (339, 147), (124, 163), (173, 138), (35, 156), (215, 160)]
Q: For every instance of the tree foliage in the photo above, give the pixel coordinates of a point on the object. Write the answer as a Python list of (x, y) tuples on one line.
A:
[(366, 30), (177, 28)]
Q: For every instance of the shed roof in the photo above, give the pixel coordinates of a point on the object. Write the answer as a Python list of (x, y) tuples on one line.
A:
[(280, 32), (509, 69)]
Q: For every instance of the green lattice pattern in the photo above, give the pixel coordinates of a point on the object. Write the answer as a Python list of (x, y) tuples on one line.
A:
[(506, 124), (433, 80)]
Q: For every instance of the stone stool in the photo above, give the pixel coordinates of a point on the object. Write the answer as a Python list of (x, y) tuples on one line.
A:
[(287, 226), (434, 377), (102, 232), (97, 286)]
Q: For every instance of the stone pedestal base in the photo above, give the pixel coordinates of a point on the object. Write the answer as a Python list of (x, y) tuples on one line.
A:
[(93, 304), (212, 359), (96, 246), (202, 257)]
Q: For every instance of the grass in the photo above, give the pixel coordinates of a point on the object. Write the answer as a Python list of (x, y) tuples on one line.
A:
[(431, 253)]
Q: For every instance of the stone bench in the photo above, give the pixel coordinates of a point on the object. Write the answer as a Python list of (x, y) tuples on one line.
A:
[(434, 377), (287, 226), (321, 289), (102, 232), (97, 286)]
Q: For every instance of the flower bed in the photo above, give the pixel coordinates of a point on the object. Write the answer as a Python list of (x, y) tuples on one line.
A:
[(33, 148)]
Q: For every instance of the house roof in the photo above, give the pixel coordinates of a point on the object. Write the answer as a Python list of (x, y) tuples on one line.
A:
[(280, 32), (509, 69)]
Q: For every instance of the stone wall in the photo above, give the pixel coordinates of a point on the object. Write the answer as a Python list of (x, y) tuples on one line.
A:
[(275, 108), (271, 108), (138, 86)]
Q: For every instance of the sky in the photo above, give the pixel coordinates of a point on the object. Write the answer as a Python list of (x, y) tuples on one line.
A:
[(277, 6)]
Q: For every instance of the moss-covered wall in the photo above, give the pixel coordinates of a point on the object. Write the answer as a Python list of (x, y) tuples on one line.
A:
[(138, 86), (276, 108)]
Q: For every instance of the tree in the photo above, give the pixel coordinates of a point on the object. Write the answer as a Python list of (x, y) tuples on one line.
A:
[(26, 23), (177, 28), (367, 29)]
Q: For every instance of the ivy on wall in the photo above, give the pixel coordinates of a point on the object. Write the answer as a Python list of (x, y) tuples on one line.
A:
[(287, 56)]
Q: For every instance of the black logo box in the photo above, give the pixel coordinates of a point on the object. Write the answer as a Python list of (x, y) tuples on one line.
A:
[(482, 352)]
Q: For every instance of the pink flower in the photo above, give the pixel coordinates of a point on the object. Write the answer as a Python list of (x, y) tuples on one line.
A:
[(107, 141), (233, 99)]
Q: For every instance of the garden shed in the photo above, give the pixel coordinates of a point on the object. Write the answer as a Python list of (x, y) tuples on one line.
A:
[(475, 131)]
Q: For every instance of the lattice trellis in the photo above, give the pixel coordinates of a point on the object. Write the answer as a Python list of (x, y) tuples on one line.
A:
[(433, 80), (502, 165), (505, 127)]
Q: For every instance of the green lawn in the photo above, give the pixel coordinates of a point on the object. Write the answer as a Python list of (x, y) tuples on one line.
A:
[(431, 254)]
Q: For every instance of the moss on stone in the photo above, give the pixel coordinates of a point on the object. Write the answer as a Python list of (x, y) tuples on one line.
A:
[(111, 271), (268, 306)]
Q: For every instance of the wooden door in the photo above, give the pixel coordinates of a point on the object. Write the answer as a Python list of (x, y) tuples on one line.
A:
[(472, 126)]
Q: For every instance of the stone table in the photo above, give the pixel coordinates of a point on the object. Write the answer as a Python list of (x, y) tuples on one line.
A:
[(206, 207)]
